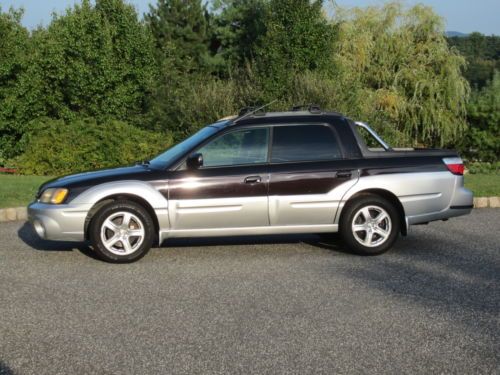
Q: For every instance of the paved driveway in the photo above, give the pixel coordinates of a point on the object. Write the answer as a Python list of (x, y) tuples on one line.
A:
[(267, 305)]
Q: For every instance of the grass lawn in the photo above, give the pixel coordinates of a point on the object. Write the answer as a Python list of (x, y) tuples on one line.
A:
[(483, 185), (16, 191)]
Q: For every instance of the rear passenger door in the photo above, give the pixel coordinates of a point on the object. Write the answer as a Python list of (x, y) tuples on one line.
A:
[(308, 175)]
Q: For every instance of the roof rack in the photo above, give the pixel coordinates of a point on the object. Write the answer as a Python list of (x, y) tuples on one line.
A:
[(313, 108)]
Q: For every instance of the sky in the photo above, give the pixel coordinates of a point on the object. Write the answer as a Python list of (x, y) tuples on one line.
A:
[(460, 15)]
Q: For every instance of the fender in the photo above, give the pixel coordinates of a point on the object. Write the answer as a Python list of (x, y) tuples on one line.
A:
[(140, 189)]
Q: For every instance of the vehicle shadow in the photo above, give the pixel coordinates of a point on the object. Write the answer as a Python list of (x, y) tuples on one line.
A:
[(5, 370), (330, 242), (28, 235)]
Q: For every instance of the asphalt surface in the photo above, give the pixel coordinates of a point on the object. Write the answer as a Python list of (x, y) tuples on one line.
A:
[(264, 305)]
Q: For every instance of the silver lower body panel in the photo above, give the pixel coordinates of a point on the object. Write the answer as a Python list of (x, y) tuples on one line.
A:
[(461, 204), (248, 231)]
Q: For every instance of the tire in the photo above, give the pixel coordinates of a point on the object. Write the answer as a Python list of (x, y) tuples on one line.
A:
[(374, 235), (122, 232)]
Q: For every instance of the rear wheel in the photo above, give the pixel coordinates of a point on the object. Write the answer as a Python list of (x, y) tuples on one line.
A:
[(370, 225), (122, 232)]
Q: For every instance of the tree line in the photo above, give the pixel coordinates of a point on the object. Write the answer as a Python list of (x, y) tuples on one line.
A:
[(101, 85), (481, 140)]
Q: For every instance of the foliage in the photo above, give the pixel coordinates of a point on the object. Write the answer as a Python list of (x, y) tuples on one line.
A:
[(483, 167), (483, 56), (14, 41), (482, 140), (180, 32), (57, 147), (185, 109), (191, 62), (332, 92), (297, 38), (93, 61), (393, 66), (237, 26)]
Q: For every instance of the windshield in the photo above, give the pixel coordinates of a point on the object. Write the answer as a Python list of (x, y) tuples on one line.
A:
[(173, 153)]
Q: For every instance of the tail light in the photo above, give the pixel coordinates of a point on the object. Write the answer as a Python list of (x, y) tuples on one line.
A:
[(455, 165)]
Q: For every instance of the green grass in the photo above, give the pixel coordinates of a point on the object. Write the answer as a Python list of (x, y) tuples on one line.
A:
[(483, 185), (18, 191)]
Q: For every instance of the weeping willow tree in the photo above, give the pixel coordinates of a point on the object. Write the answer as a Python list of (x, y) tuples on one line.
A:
[(395, 68)]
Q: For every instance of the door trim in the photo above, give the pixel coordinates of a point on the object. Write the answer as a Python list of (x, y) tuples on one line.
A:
[(247, 231)]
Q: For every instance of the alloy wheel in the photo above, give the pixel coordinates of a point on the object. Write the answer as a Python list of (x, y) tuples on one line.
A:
[(371, 226), (122, 233)]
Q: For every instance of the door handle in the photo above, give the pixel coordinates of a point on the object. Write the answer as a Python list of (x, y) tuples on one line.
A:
[(253, 179), (344, 174)]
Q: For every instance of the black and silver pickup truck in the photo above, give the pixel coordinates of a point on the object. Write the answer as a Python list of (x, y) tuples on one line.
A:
[(305, 171)]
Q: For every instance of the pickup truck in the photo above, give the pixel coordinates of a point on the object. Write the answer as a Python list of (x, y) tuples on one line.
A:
[(301, 171)]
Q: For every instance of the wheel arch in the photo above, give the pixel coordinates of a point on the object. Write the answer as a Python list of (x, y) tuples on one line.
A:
[(386, 194), (117, 197)]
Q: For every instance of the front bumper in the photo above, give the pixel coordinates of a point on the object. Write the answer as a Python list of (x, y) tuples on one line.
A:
[(63, 222)]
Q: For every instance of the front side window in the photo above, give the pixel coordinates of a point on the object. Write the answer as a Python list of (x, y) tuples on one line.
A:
[(304, 143), (168, 157), (246, 146)]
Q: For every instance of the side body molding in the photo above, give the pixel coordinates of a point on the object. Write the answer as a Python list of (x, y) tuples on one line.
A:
[(140, 189)]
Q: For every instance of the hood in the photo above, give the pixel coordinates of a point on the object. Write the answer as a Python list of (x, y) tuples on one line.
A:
[(82, 181)]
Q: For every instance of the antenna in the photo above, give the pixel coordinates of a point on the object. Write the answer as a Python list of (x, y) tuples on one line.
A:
[(254, 111)]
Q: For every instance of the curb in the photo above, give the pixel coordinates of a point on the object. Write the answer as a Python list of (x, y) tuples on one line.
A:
[(21, 213), (13, 214)]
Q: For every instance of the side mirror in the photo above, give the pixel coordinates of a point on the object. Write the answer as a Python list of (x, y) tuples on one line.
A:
[(194, 161)]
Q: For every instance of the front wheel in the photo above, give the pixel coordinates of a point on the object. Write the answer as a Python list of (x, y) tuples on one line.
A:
[(122, 232), (370, 225)]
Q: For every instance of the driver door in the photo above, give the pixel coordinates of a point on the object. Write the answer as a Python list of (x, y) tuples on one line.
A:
[(230, 189)]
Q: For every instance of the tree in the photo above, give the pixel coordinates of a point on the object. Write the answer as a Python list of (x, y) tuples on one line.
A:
[(483, 56), (95, 60), (482, 140), (14, 40), (394, 67), (237, 26), (298, 38), (179, 29)]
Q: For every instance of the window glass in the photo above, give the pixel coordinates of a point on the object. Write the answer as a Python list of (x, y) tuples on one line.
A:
[(247, 146), (304, 143), (166, 158)]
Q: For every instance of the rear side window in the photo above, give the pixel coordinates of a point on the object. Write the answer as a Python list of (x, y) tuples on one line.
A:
[(304, 143)]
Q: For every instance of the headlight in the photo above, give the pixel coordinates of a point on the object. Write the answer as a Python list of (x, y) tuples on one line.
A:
[(54, 195)]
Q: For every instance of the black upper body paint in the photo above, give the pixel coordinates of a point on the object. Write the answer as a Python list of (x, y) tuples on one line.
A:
[(313, 177)]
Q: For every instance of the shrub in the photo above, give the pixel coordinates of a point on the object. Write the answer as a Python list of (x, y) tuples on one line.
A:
[(55, 147), (482, 140), (484, 168)]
